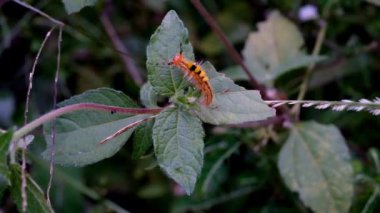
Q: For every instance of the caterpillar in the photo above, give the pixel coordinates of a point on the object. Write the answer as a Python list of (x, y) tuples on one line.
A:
[(198, 75)]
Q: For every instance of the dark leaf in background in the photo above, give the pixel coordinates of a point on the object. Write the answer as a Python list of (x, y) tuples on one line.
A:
[(142, 139), (5, 140), (73, 6), (315, 162)]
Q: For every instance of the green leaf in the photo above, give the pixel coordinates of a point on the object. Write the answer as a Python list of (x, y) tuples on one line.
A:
[(275, 49), (142, 139), (35, 197), (5, 139), (315, 162), (164, 44), (78, 134), (236, 107), (232, 104), (73, 6), (178, 144), (148, 96)]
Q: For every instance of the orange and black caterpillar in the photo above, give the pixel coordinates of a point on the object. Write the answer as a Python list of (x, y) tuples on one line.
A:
[(197, 74)]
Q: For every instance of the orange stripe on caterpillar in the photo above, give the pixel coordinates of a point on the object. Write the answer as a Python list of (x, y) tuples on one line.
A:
[(197, 73)]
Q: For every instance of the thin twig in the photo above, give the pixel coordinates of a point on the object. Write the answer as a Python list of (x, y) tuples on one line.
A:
[(126, 128), (57, 22), (53, 123), (17, 28), (309, 71), (372, 199), (231, 50), (23, 170), (317, 48), (23, 181), (128, 62), (23, 164), (31, 74), (372, 107)]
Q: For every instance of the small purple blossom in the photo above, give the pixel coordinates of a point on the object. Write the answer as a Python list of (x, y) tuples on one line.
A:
[(308, 12)]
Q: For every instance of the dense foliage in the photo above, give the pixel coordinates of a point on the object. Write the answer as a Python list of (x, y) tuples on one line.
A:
[(182, 155)]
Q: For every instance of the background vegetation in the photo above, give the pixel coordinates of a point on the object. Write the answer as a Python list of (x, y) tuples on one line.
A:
[(244, 158)]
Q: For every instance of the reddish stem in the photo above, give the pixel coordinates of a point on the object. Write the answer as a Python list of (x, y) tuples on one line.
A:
[(76, 107)]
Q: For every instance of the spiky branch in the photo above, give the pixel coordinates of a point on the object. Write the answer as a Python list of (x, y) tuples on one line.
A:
[(372, 106)]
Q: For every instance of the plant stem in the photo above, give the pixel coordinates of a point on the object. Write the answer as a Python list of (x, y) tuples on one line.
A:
[(231, 50), (306, 79), (57, 22), (129, 64), (124, 129), (75, 107), (30, 86), (317, 48), (53, 124), (23, 171), (372, 107)]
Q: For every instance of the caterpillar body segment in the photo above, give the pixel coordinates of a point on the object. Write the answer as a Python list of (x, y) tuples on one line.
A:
[(197, 74)]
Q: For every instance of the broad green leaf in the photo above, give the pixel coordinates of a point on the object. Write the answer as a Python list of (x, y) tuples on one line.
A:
[(142, 139), (232, 104), (315, 162), (164, 44), (275, 49), (78, 134), (35, 197), (5, 139), (178, 144), (73, 6), (236, 107), (148, 96)]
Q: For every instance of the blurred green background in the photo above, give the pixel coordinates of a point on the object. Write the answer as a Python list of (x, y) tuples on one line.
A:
[(247, 178)]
